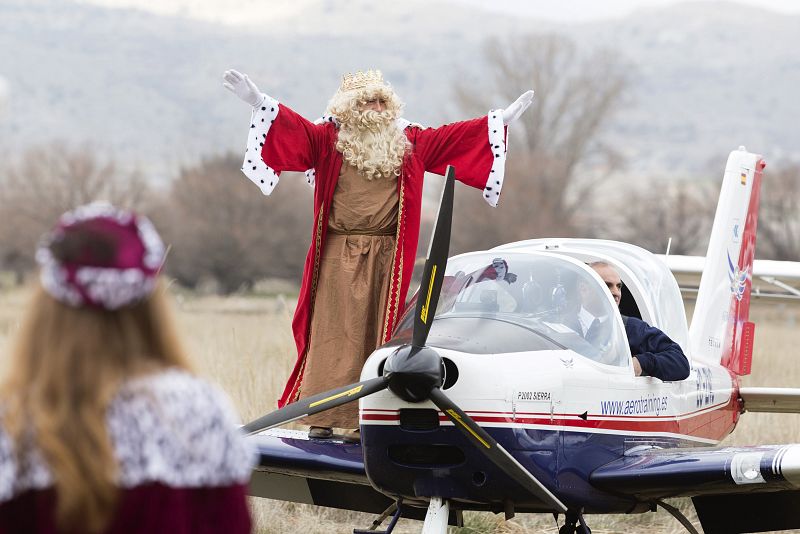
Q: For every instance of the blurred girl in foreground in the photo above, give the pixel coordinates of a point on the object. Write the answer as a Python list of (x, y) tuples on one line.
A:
[(104, 426)]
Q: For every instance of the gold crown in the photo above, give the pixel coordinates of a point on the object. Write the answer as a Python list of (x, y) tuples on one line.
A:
[(359, 80)]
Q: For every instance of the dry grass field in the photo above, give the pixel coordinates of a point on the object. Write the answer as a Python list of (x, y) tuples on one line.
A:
[(245, 345)]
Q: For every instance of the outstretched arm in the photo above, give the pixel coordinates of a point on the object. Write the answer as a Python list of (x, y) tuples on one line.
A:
[(278, 140), (477, 148)]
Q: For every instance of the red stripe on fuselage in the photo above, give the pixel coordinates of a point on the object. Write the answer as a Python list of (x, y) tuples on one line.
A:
[(712, 424)]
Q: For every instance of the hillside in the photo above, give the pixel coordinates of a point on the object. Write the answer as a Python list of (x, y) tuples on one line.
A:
[(145, 88)]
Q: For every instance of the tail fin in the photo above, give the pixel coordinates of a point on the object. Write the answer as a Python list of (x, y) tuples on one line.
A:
[(720, 331)]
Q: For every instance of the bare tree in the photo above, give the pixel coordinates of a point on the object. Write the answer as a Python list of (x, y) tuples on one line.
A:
[(47, 181), (557, 157), (223, 229), (779, 221), (679, 211), (684, 211)]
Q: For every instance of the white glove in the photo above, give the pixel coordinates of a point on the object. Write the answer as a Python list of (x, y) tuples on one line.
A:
[(513, 111), (240, 85)]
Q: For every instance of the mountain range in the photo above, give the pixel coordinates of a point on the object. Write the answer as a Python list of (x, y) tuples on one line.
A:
[(145, 89)]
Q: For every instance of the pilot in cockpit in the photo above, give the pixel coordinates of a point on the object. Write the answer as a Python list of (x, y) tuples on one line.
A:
[(654, 353)]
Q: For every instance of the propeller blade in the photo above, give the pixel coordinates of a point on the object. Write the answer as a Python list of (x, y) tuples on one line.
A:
[(493, 450), (433, 274), (317, 403)]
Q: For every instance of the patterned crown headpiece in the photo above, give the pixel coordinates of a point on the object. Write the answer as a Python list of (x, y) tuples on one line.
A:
[(92, 278), (360, 79)]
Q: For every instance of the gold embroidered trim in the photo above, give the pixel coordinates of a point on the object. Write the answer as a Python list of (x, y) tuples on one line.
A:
[(314, 278), (392, 303)]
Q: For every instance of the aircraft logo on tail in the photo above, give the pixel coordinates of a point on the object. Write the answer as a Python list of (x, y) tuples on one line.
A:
[(738, 278)]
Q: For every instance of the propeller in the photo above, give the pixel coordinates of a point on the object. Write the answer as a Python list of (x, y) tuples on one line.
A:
[(414, 372), (317, 403), (493, 450), (435, 263)]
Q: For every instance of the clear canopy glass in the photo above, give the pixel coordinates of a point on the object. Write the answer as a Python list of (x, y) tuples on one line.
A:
[(543, 300), (648, 278)]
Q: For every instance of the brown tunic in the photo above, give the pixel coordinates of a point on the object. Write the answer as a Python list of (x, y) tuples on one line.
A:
[(354, 276)]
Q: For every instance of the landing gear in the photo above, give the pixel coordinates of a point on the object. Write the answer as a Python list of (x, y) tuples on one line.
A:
[(574, 524), (436, 518), (396, 509), (678, 515)]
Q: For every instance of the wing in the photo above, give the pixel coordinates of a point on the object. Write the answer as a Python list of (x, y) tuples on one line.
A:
[(330, 473), (734, 489), (770, 400), (771, 279)]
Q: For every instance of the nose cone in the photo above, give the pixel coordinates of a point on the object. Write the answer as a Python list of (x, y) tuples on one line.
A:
[(413, 372)]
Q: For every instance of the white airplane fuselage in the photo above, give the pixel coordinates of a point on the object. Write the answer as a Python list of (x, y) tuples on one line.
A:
[(561, 414)]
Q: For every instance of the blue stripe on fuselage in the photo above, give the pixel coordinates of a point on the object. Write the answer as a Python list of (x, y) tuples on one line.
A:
[(562, 460)]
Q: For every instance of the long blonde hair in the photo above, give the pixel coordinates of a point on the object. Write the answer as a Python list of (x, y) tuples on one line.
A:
[(67, 364), (370, 140)]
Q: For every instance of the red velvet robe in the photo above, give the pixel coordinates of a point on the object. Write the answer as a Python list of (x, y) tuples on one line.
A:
[(288, 142)]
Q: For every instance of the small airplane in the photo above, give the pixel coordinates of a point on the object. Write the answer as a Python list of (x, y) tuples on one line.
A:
[(486, 399)]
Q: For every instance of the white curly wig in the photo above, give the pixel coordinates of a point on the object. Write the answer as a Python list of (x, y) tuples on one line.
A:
[(370, 140)]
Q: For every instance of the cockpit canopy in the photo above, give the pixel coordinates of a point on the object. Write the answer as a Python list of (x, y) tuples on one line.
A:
[(650, 290), (512, 302)]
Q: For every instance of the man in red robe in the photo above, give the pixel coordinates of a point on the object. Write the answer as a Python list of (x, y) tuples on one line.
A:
[(364, 242)]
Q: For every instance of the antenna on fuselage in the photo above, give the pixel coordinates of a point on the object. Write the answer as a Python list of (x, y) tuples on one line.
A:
[(669, 244)]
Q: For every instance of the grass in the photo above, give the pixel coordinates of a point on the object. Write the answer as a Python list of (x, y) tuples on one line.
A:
[(245, 345)]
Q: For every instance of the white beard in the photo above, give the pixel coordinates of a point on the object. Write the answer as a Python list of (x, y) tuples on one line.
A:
[(374, 144)]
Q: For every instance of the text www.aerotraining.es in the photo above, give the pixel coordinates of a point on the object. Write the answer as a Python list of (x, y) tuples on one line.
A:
[(645, 405)]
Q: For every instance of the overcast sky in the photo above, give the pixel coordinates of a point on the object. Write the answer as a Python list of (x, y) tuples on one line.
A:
[(582, 10), (235, 11)]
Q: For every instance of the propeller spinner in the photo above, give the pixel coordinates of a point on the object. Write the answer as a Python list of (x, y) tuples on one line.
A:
[(414, 372)]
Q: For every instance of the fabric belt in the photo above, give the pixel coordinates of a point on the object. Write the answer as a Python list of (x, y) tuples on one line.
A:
[(386, 232)]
